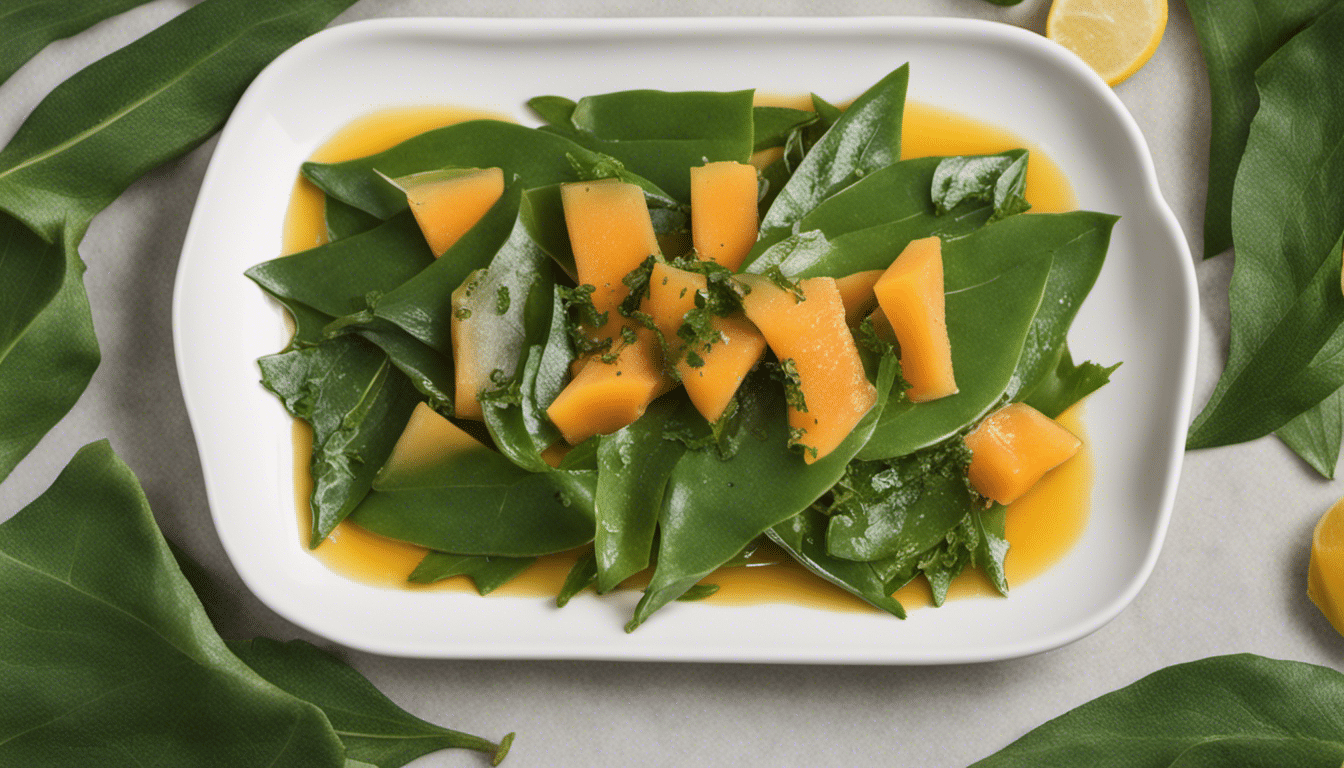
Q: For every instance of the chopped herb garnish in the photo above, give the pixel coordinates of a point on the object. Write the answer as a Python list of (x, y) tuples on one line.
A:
[(502, 300), (638, 282), (787, 372), (581, 312), (777, 276), (504, 391), (462, 313)]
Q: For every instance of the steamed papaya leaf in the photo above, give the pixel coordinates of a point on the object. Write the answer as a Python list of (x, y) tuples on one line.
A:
[(582, 575), (49, 365), (1315, 434), (989, 311), (428, 371), (1287, 344), (875, 217), (898, 507), (109, 653), (537, 158), (340, 277), (1239, 710), (659, 134), (344, 221), (1067, 384), (803, 536), (764, 484), (999, 180), (357, 405), (634, 464), (28, 28), (423, 305), (864, 138), (477, 502), (555, 110), (772, 126), (153, 100), (486, 572), (1236, 37), (976, 540)]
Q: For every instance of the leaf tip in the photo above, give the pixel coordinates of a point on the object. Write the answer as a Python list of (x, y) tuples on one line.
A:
[(503, 750)]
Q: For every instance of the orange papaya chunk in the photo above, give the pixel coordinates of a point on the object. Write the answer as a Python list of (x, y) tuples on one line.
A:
[(427, 442), (856, 293), (813, 336), (723, 211), (726, 364), (604, 397), (911, 295), (711, 386), (610, 233), (469, 375), (448, 203), (1013, 448)]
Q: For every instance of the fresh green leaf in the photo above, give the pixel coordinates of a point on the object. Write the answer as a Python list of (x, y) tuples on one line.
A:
[(148, 102), (48, 367), (764, 483), (358, 406), (1315, 434), (581, 576), (373, 729), (1237, 36), (28, 28), (31, 273), (866, 137), (1287, 345), (804, 537), (477, 502), (634, 464), (1243, 710), (488, 573), (108, 653)]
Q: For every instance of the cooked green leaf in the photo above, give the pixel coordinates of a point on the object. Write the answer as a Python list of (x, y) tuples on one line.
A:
[(1288, 216), (1067, 384), (357, 404), (866, 137), (772, 126), (582, 575), (477, 502), (142, 105), (1237, 36), (804, 537), (346, 220), (1240, 710), (487, 572), (28, 28), (108, 655), (764, 483), (634, 464), (999, 180)]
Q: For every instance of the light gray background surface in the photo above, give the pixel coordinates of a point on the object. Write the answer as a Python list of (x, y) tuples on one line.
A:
[(1231, 577)]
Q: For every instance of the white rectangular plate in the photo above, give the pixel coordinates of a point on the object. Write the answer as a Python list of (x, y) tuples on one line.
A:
[(1142, 312)]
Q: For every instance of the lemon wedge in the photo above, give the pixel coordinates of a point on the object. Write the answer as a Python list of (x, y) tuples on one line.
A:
[(1325, 574), (1114, 37)]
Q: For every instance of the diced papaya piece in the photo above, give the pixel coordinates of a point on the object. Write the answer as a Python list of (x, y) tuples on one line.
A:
[(911, 295), (1013, 448), (812, 334), (610, 233), (723, 211), (711, 386), (726, 364), (856, 293), (469, 376), (427, 441), (447, 203), (604, 397)]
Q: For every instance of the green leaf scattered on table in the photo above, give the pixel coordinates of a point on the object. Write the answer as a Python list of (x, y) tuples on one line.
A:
[(1288, 218), (28, 28), (1240, 710), (109, 656)]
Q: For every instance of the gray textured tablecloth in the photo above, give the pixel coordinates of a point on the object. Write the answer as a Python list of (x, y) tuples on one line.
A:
[(1231, 577)]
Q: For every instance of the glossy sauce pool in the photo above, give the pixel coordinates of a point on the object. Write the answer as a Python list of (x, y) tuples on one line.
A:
[(1041, 526)]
